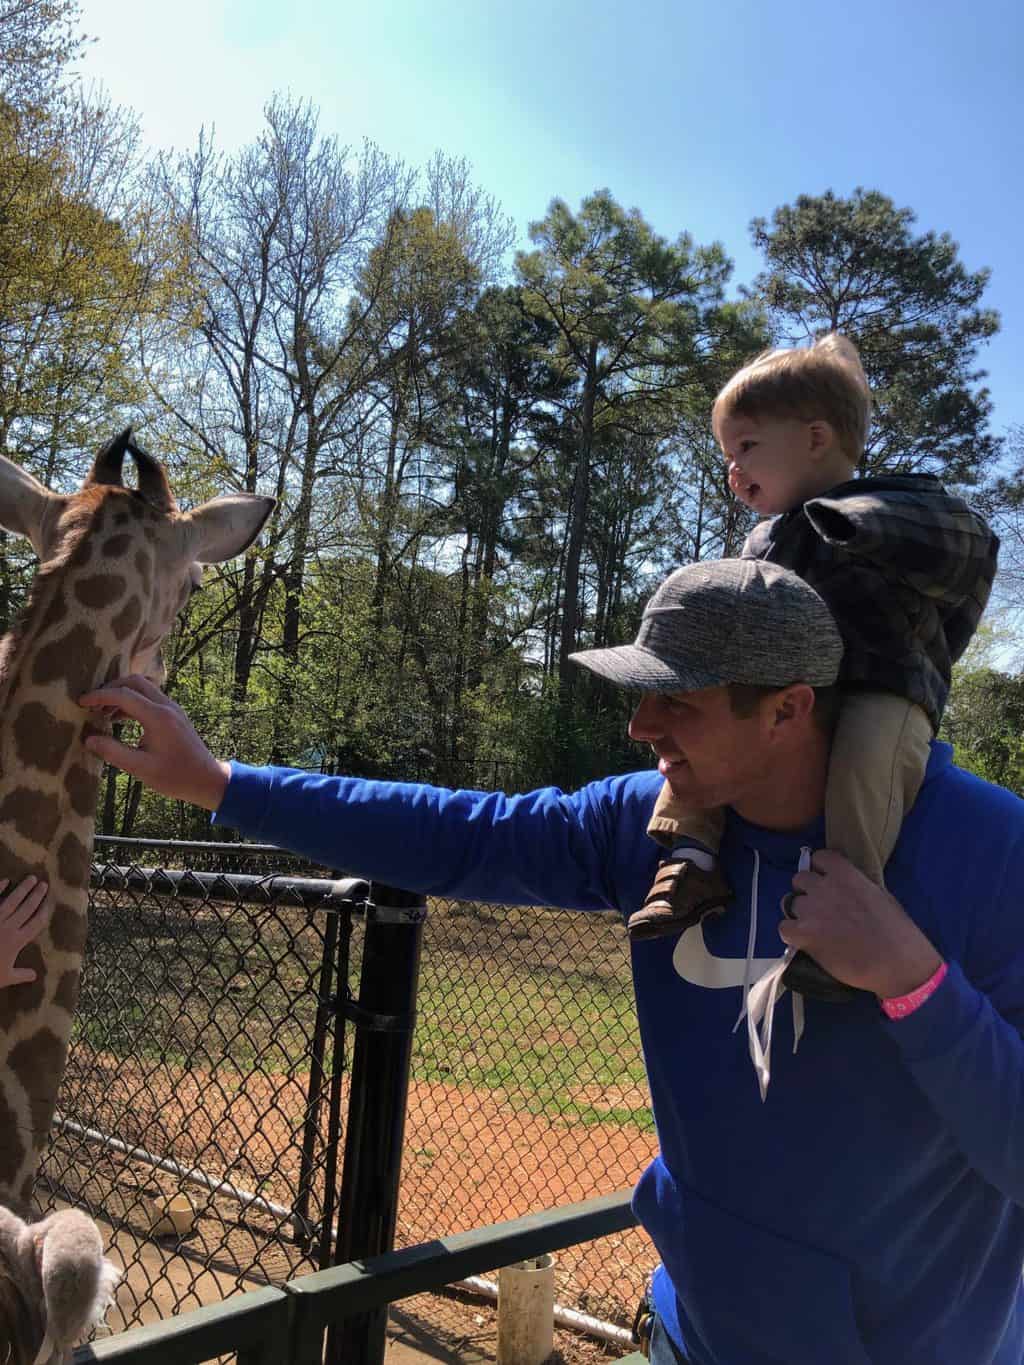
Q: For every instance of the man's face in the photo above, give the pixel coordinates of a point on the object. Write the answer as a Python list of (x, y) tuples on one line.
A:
[(707, 754), (771, 460)]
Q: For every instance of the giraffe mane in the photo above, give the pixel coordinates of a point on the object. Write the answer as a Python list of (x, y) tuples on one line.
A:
[(45, 585)]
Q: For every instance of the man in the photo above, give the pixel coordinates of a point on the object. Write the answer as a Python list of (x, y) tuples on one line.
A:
[(867, 1208)]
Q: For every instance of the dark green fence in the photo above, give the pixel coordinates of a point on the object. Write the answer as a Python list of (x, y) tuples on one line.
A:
[(287, 1326), (209, 1057)]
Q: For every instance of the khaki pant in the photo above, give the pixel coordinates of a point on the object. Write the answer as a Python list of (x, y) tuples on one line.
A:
[(879, 754)]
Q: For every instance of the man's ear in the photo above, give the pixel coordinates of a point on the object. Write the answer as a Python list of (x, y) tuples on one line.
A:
[(793, 703), (225, 526)]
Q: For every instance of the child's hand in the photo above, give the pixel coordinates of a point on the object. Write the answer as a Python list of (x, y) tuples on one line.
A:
[(23, 916)]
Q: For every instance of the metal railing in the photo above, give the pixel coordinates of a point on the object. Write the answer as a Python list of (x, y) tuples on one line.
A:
[(287, 1326)]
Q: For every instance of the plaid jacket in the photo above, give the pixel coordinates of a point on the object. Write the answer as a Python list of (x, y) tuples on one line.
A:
[(906, 569)]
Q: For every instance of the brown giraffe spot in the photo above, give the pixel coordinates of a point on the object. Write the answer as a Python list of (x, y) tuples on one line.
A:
[(56, 611), (67, 928), (83, 551), (81, 785), (127, 620), (35, 815), (91, 728), (66, 995), (144, 568), (24, 999), (101, 590), (41, 739), (38, 1062), (16, 869), (73, 860), (12, 1149), (122, 518), (75, 657), (115, 547)]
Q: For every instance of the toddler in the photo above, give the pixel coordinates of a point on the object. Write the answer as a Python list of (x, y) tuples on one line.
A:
[(906, 569)]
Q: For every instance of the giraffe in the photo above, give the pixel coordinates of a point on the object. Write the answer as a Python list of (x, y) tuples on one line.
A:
[(115, 567)]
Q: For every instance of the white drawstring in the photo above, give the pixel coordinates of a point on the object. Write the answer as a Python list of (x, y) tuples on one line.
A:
[(760, 999), (751, 940)]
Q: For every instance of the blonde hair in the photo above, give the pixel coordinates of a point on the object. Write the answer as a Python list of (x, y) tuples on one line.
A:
[(822, 382)]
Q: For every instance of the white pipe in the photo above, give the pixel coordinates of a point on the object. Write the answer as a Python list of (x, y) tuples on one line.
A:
[(564, 1317), (189, 1174), (526, 1317)]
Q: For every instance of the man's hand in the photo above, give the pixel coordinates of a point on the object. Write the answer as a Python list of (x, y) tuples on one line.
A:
[(170, 757), (856, 930)]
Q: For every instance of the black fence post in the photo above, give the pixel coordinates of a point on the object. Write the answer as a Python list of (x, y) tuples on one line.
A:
[(384, 1017)]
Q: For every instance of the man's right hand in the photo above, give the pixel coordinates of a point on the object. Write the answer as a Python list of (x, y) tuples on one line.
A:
[(170, 757)]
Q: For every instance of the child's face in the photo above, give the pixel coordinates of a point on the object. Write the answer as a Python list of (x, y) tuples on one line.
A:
[(775, 463)]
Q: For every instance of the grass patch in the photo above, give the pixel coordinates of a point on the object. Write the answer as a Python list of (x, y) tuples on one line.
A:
[(534, 1006)]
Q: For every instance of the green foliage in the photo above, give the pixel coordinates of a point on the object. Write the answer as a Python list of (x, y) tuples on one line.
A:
[(38, 39), (856, 266), (984, 722), (634, 318)]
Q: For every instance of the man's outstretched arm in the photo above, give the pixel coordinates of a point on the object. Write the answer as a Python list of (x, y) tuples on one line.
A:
[(540, 848)]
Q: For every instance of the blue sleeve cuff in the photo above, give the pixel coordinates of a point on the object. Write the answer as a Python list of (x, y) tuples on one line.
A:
[(937, 1026), (246, 799)]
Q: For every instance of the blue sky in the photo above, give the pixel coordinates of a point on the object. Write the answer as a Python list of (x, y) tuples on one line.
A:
[(702, 114)]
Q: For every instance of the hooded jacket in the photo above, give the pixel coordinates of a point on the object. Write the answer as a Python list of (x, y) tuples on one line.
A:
[(871, 1209), (906, 569)]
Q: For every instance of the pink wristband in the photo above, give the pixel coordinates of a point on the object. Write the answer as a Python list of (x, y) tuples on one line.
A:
[(902, 1005)]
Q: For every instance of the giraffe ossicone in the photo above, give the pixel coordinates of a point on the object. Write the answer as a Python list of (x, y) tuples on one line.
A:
[(116, 565)]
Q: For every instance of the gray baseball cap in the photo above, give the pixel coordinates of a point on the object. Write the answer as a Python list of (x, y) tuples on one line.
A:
[(726, 621)]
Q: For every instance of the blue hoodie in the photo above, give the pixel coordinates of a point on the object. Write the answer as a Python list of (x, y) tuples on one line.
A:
[(870, 1208)]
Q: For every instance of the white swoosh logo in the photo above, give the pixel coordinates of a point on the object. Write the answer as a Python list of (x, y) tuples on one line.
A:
[(695, 964)]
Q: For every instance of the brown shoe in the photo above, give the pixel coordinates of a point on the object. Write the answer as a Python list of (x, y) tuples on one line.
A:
[(681, 895)]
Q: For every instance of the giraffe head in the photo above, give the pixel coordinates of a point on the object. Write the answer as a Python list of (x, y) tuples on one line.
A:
[(150, 554), (116, 565)]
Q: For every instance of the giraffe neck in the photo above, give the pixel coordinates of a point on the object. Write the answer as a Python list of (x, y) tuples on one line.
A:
[(78, 631)]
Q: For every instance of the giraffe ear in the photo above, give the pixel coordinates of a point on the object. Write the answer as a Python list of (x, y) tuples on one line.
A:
[(223, 527), (78, 1284), (26, 507)]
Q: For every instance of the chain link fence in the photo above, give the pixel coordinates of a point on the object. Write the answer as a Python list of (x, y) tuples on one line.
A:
[(202, 1113)]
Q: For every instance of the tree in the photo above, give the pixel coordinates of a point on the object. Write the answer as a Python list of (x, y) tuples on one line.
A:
[(630, 311), (76, 275), (38, 39), (856, 266), (984, 721), (1004, 501), (76, 270), (272, 240)]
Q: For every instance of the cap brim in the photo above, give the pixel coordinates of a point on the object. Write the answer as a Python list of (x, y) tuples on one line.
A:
[(635, 667)]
